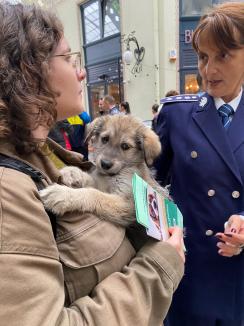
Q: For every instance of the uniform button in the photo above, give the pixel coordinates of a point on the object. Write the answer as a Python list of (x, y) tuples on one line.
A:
[(235, 194), (211, 192), (194, 154), (209, 233)]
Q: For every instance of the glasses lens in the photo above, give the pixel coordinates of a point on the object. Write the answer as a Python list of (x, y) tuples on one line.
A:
[(78, 62)]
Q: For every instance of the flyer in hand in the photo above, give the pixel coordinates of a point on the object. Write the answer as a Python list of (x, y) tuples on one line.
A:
[(153, 211)]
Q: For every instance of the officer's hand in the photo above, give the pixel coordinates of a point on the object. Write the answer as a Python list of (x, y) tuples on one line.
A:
[(232, 240)]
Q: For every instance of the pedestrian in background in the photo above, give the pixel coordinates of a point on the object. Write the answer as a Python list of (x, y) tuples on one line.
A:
[(171, 92), (40, 83), (60, 133), (203, 151), (77, 134), (100, 106), (125, 108), (155, 116), (109, 105)]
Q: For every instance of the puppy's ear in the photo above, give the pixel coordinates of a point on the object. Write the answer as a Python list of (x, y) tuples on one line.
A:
[(95, 127), (150, 145)]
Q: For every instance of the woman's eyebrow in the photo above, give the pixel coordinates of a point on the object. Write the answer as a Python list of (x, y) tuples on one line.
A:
[(67, 50)]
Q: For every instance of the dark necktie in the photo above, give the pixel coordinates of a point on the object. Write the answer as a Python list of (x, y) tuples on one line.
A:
[(225, 112)]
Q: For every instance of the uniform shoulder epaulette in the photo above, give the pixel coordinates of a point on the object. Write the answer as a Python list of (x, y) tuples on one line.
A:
[(180, 98)]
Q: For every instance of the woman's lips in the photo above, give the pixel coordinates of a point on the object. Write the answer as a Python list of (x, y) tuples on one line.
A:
[(214, 82)]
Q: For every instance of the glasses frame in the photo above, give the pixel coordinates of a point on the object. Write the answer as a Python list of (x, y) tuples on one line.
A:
[(71, 53)]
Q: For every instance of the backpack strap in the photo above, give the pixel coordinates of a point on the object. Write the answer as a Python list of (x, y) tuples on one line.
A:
[(36, 176)]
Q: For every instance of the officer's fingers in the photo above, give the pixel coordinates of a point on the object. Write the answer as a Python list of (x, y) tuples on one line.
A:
[(228, 249), (234, 224), (224, 254), (233, 238)]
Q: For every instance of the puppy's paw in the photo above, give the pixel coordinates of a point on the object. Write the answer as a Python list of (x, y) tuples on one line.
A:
[(73, 177), (57, 199)]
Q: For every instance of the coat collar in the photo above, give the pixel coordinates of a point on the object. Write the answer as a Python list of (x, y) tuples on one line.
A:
[(43, 163), (225, 143)]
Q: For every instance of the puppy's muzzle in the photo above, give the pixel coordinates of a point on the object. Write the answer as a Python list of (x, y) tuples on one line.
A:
[(106, 165)]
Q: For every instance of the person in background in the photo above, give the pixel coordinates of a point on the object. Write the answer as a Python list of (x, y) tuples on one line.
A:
[(203, 150), (125, 108), (100, 106), (77, 134), (109, 105), (155, 116), (172, 92), (60, 133), (40, 84)]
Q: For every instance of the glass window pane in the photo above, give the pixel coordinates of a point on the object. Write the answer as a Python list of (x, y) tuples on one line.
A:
[(92, 22), (112, 18), (191, 85), (96, 93), (113, 90), (195, 7)]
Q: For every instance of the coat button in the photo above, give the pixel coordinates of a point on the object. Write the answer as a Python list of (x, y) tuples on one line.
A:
[(211, 192), (209, 233), (235, 194), (194, 154)]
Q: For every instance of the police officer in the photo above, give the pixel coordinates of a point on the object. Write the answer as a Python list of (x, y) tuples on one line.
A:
[(203, 157)]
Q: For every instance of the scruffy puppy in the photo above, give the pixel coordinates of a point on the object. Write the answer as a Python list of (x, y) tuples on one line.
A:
[(91, 248), (122, 146)]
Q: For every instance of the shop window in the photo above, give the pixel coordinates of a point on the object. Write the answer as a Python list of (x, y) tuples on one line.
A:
[(191, 85)]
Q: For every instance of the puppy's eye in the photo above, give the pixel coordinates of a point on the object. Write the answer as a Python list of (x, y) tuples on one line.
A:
[(124, 146), (105, 139)]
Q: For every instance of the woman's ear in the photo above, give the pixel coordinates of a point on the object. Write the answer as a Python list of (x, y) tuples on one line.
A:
[(151, 145)]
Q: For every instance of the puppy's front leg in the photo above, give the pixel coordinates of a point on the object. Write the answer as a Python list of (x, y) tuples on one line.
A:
[(60, 199)]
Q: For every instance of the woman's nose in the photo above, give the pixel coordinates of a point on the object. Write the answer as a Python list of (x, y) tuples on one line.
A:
[(81, 75), (211, 67)]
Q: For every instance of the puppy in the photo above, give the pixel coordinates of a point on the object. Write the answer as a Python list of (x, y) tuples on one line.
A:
[(90, 246), (122, 146)]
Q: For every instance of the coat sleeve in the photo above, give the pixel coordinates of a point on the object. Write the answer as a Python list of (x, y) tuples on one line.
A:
[(32, 284), (162, 164)]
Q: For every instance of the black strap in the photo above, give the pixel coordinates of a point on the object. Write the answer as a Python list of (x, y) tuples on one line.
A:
[(35, 175)]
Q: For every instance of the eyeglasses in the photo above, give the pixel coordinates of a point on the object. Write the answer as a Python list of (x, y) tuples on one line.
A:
[(74, 57)]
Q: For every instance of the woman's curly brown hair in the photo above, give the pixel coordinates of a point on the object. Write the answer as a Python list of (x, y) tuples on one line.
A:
[(28, 37)]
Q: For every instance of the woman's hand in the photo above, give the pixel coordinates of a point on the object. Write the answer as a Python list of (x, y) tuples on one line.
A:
[(232, 240), (176, 240)]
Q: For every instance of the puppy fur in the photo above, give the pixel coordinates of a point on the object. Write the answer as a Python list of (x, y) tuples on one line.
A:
[(122, 146)]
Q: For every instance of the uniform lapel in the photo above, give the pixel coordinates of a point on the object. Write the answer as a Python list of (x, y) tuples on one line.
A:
[(236, 129), (207, 119)]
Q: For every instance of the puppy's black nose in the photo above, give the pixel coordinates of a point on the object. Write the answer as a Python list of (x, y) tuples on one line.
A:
[(106, 165)]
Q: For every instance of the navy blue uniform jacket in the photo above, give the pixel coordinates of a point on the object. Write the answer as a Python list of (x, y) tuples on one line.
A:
[(206, 165)]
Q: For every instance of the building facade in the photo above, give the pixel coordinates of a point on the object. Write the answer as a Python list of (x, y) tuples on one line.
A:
[(103, 30)]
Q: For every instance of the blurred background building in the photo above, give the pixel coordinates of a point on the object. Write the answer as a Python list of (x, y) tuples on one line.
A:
[(134, 50)]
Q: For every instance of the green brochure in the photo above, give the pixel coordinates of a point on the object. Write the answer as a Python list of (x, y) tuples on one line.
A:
[(153, 211), (140, 197), (174, 216)]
